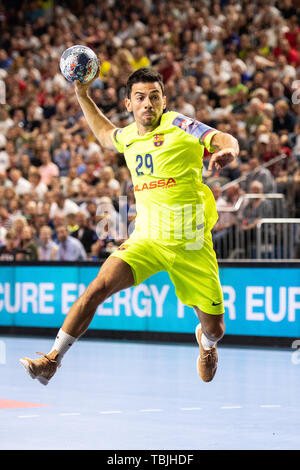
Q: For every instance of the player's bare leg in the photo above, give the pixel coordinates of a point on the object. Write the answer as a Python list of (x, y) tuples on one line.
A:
[(114, 276), (210, 330)]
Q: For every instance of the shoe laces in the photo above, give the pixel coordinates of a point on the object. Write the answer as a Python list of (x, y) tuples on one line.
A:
[(53, 361), (208, 354)]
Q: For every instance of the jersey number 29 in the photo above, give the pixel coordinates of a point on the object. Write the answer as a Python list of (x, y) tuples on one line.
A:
[(144, 162)]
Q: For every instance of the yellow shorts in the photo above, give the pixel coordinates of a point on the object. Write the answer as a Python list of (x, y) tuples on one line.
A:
[(194, 273)]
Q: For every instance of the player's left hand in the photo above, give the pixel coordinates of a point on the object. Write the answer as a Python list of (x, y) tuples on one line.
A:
[(82, 88), (222, 158)]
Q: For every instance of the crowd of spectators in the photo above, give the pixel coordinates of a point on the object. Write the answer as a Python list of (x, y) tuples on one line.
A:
[(232, 65)]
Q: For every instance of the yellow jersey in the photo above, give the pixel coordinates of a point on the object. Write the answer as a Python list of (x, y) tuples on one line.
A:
[(172, 203)]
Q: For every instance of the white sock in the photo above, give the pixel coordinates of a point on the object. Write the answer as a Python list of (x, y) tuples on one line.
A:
[(62, 344), (207, 343)]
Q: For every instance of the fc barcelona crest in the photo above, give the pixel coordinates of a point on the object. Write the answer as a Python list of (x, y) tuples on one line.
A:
[(123, 247), (158, 140)]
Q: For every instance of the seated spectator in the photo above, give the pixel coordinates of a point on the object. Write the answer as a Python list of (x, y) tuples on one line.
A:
[(277, 93), (37, 185), (139, 58), (235, 85), (90, 176), (185, 108), (27, 250), (8, 250), (224, 109), (30, 212), (168, 67), (90, 209), (254, 116), (47, 248), (5, 121), (284, 120), (25, 165), (107, 177), (20, 184), (71, 223), (14, 207), (84, 234), (192, 89), (109, 102), (83, 192), (5, 182), (69, 248), (18, 226), (62, 205), (275, 146), (58, 219), (6, 220), (62, 158), (258, 173), (47, 168), (284, 48), (233, 194), (124, 179), (231, 172), (40, 220), (293, 32), (5, 60), (87, 148), (71, 182), (4, 157), (284, 69)]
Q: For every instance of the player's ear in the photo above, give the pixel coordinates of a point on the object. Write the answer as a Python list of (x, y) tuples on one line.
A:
[(164, 102), (128, 105)]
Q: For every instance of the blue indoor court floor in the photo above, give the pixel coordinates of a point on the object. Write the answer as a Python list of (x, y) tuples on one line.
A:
[(133, 395)]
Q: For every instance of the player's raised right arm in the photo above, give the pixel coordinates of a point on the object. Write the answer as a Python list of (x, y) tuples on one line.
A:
[(100, 125)]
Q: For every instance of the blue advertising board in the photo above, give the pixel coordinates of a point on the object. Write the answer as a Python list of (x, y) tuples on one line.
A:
[(259, 301)]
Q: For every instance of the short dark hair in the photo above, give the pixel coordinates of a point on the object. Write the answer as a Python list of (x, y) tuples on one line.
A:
[(143, 75)]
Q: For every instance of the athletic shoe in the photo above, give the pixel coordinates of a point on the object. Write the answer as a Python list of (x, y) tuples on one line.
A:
[(207, 361), (42, 369)]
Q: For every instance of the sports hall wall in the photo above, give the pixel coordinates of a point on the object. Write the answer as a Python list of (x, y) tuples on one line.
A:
[(261, 301)]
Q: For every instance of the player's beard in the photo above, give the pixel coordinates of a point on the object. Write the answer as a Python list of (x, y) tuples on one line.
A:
[(149, 120)]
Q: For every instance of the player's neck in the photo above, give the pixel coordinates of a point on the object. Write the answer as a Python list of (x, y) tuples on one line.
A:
[(142, 130)]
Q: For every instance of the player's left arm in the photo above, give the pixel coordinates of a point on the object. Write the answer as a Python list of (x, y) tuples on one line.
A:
[(225, 150)]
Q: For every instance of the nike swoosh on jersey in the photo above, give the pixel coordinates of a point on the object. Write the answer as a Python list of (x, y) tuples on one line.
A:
[(214, 304), (128, 145)]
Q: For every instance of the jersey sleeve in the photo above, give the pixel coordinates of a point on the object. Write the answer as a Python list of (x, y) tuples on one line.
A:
[(206, 138), (200, 131), (117, 140)]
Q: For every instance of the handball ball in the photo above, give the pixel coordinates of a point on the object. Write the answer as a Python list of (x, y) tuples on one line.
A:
[(79, 63)]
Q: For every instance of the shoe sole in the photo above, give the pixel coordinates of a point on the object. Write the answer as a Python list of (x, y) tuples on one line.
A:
[(26, 366)]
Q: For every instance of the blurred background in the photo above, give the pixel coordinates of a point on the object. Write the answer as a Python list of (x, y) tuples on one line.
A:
[(232, 65)]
